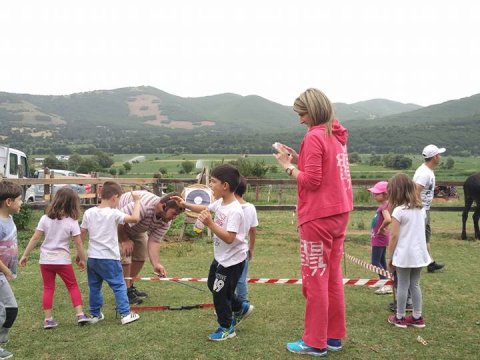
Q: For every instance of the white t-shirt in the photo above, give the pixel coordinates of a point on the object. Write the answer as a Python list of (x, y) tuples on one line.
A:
[(101, 224), (230, 217), (55, 248), (251, 219), (411, 250), (425, 177)]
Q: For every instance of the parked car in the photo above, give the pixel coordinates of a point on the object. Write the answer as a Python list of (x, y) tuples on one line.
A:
[(39, 188)]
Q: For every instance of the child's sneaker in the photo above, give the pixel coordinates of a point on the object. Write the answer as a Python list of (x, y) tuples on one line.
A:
[(127, 319), (334, 345), (387, 289), (95, 319), (49, 324), (5, 354), (401, 323), (243, 313), (418, 323), (83, 319), (222, 333), (299, 347)]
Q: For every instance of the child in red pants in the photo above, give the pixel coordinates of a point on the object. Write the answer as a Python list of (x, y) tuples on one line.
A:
[(59, 225)]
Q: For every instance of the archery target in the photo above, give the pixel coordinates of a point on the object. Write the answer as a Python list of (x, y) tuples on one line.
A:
[(198, 197)]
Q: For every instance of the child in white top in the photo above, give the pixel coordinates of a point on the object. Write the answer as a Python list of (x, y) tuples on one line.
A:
[(103, 262), (58, 226), (251, 223), (230, 249), (407, 250)]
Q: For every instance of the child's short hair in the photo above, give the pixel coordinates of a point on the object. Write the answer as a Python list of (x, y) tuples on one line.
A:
[(66, 203), (9, 190), (242, 187), (227, 173), (110, 189), (170, 203)]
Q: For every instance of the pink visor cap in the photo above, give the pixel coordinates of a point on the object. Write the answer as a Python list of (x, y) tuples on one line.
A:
[(379, 188)]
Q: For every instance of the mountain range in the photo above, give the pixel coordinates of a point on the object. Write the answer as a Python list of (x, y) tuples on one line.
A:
[(140, 113)]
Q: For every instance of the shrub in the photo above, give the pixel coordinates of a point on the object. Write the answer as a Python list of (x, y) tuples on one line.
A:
[(22, 219)]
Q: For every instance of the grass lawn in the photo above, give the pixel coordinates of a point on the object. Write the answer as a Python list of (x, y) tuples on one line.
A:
[(451, 305)]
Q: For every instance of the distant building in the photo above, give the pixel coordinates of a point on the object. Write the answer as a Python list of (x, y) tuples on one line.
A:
[(62, 157)]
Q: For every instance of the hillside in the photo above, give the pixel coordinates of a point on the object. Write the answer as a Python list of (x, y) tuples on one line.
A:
[(135, 108), (149, 120)]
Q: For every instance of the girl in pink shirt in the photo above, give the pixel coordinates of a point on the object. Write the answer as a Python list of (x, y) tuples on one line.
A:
[(58, 226), (324, 201)]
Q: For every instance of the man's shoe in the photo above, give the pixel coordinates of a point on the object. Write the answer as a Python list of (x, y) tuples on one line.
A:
[(131, 317), (401, 323), (49, 324), (95, 319), (5, 354), (393, 307), (384, 290), (334, 345), (418, 323), (222, 333), (242, 314), (299, 347), (433, 266), (140, 294), (133, 298)]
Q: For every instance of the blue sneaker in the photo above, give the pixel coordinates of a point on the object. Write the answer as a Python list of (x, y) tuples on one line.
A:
[(222, 333), (334, 345), (299, 347), (243, 313), (50, 324)]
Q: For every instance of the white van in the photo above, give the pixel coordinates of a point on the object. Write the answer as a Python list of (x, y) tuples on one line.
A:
[(14, 165), (39, 188)]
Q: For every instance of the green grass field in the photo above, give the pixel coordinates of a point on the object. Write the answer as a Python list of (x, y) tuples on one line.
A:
[(463, 167), (451, 305)]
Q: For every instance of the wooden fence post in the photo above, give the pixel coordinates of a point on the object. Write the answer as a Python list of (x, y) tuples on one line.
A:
[(46, 187)]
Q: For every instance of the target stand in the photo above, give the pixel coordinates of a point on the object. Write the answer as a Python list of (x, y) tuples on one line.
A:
[(199, 194)]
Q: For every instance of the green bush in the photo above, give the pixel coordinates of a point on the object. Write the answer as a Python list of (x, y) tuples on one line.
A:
[(22, 219)]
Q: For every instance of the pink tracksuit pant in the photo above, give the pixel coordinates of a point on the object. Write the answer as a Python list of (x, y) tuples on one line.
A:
[(321, 250)]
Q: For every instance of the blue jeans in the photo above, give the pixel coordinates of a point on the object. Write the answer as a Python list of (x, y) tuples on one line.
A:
[(378, 258), (109, 270), (242, 290)]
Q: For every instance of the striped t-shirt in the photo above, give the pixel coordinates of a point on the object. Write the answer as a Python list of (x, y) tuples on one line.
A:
[(155, 227)]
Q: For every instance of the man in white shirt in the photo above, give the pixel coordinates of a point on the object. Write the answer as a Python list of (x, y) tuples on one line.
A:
[(425, 180)]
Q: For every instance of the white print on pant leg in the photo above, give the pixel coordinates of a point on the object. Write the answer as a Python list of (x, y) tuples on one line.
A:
[(342, 163), (312, 256), (219, 282)]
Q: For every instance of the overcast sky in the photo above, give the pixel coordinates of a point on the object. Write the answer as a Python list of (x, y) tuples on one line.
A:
[(412, 51)]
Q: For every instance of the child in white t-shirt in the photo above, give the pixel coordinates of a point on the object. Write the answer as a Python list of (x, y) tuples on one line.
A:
[(230, 249), (103, 262), (407, 251), (251, 223), (58, 226)]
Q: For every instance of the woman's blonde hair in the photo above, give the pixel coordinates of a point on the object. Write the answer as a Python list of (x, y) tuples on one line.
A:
[(403, 191), (317, 105)]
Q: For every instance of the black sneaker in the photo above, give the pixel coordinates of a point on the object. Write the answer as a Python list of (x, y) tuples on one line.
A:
[(434, 266), (133, 299), (393, 306), (140, 294)]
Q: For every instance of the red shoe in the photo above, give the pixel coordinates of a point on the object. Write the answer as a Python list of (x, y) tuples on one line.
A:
[(418, 323), (401, 323)]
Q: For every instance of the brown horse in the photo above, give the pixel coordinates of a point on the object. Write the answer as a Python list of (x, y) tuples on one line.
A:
[(471, 189)]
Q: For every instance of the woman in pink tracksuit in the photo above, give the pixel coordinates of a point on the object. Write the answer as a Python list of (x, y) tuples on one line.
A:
[(324, 202)]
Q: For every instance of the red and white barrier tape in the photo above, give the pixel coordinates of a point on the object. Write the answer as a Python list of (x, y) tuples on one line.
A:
[(170, 307), (358, 282), (369, 266)]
